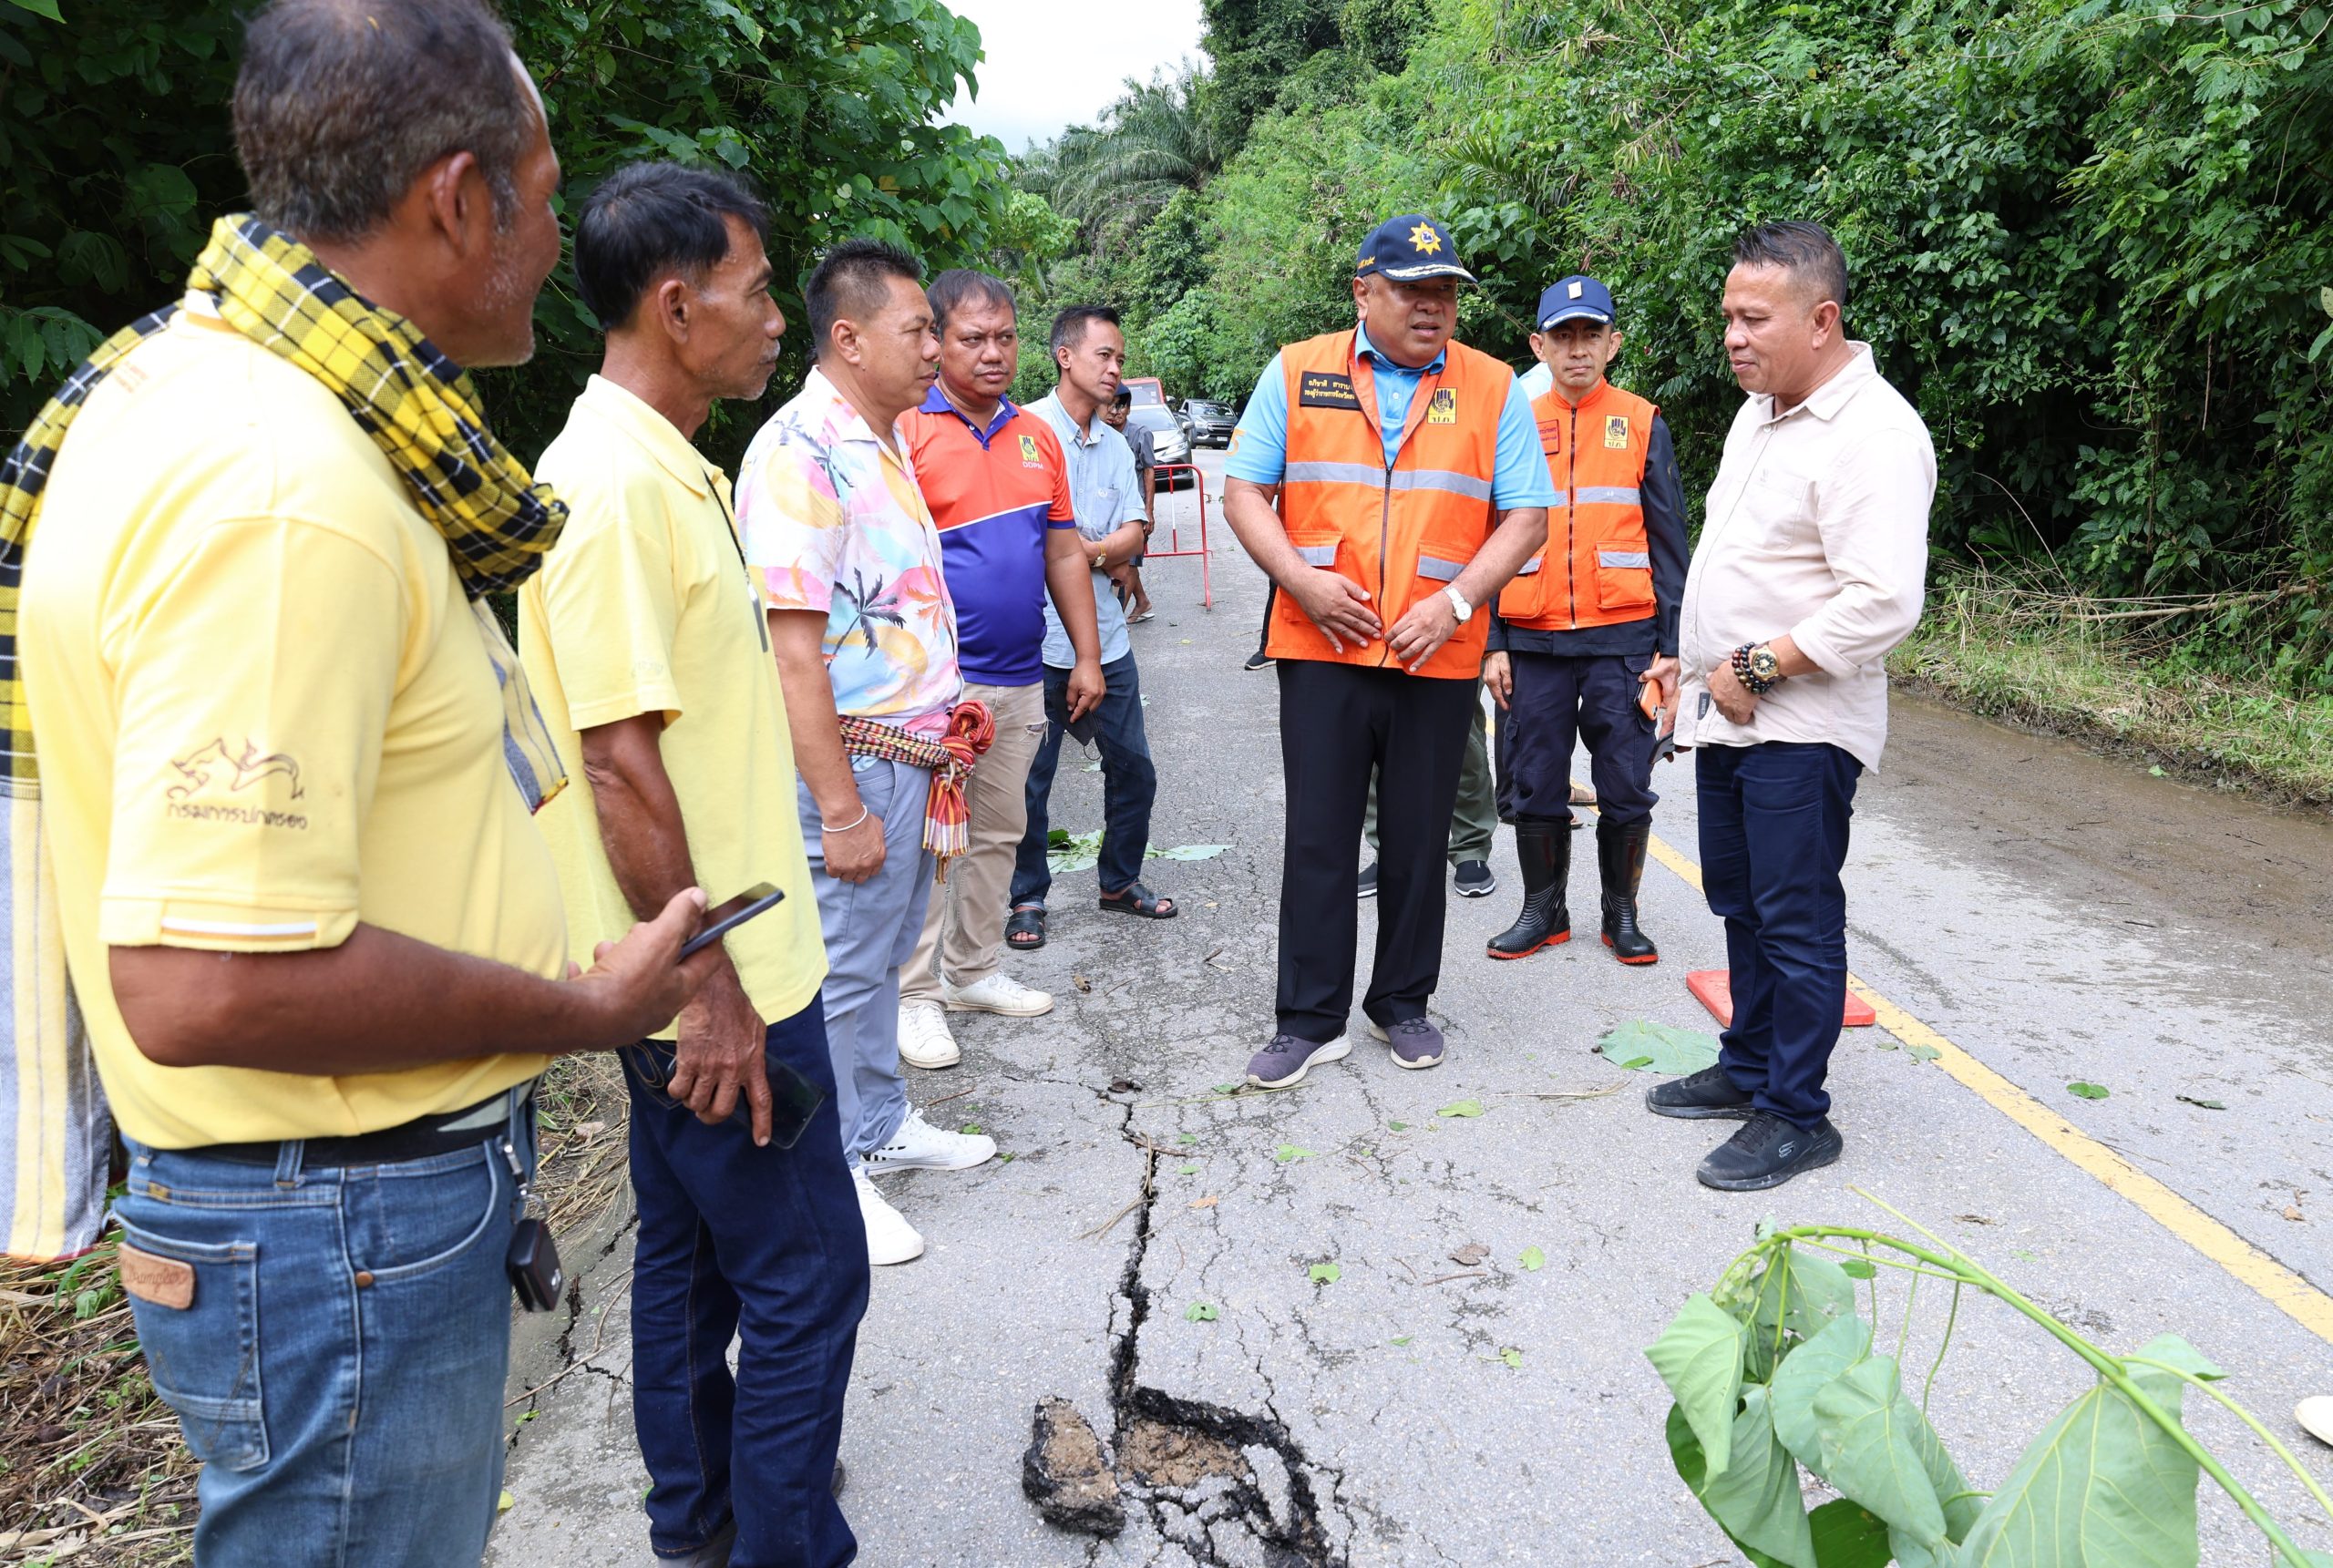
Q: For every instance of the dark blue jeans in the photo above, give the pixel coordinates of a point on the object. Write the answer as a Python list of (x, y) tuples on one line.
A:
[(1773, 837), (766, 1246), (1129, 785)]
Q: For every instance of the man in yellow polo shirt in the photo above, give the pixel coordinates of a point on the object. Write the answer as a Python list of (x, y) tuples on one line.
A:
[(645, 636), (316, 939)]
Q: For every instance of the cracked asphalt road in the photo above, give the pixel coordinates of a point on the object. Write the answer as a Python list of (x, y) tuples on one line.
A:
[(2057, 916)]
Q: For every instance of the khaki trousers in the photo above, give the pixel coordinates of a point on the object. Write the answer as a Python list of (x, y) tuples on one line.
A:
[(964, 929)]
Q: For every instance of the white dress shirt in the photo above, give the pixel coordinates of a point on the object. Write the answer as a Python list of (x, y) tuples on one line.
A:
[(1817, 530)]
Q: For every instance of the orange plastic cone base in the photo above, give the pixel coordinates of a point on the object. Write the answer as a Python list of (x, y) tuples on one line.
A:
[(1713, 988)]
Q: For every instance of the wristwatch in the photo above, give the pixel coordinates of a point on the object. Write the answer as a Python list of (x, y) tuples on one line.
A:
[(1101, 560), (1458, 605), (1756, 666)]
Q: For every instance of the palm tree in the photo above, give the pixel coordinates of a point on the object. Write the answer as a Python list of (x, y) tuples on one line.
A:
[(1110, 178)]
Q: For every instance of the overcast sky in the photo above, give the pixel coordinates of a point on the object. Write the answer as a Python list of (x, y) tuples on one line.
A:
[(1054, 63)]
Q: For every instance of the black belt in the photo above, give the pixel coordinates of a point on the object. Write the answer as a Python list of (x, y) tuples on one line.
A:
[(439, 1133)]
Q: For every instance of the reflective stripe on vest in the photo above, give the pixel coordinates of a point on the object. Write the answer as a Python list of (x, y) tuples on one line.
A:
[(1596, 569), (1400, 532)]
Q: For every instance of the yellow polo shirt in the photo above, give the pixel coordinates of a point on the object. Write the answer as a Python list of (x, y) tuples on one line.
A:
[(265, 713), (644, 606)]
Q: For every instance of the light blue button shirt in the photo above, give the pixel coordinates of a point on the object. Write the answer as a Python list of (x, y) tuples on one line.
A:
[(1260, 446), (1104, 496)]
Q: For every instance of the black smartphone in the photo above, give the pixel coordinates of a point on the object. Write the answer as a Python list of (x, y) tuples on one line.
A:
[(792, 1099), (728, 915)]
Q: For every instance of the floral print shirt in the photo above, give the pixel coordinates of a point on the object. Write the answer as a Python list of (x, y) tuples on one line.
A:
[(833, 522)]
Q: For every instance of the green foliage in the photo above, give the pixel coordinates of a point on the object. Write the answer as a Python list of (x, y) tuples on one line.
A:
[(1255, 45), (117, 146), (120, 155), (1657, 1048), (1763, 1393), (2087, 239)]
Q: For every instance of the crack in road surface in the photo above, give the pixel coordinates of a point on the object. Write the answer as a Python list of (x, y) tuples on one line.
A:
[(1234, 1502)]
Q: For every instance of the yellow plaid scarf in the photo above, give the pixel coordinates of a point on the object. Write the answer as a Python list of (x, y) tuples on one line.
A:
[(421, 409)]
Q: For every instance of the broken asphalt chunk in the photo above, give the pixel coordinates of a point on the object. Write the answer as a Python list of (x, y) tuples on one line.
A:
[(1064, 1474)]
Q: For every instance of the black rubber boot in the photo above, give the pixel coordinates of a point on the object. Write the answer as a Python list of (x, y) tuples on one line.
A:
[(1545, 849), (1619, 857)]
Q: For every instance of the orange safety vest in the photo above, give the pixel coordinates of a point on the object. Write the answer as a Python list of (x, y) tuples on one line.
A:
[(1597, 569), (1401, 532)]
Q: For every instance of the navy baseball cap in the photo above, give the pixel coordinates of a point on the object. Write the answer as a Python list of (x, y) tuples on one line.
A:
[(1577, 298), (1408, 248)]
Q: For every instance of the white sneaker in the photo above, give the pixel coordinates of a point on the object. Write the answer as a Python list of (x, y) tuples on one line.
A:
[(917, 1145), (889, 1237), (1000, 993), (924, 1040)]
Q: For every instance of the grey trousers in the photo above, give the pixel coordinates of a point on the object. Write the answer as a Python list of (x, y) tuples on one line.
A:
[(871, 928)]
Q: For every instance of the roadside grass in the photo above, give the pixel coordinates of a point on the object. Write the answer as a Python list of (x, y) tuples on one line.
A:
[(93, 1471), (2105, 671)]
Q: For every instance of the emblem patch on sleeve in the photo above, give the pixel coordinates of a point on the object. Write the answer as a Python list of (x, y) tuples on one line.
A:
[(1326, 389), (1616, 431), (1444, 409)]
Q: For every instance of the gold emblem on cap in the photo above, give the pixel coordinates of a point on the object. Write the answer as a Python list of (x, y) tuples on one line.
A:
[(1424, 238)]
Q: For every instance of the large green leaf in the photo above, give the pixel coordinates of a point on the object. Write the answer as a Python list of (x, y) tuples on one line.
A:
[(1756, 1496), (1961, 1510), (1659, 1047), (1685, 1452), (2102, 1487), (1802, 1374), (1865, 1428), (1804, 1291), (1699, 1356), (1847, 1534)]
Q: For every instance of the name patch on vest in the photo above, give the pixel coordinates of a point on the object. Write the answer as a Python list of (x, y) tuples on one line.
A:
[(1616, 431), (1326, 389), (1444, 409)]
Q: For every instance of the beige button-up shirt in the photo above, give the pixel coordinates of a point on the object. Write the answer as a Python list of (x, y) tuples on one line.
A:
[(1817, 528)]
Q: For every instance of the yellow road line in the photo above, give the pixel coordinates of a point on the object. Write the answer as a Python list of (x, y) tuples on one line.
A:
[(2278, 1286)]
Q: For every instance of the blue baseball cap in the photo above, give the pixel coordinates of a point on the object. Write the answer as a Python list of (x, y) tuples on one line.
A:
[(1578, 298), (1408, 248)]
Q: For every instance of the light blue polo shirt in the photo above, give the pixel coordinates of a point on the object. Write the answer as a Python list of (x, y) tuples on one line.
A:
[(1260, 446), (1105, 495)]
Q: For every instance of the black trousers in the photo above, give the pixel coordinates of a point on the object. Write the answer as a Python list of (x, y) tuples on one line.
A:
[(1557, 697), (1338, 723)]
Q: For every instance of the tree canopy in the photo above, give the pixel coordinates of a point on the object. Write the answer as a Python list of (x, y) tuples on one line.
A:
[(119, 153)]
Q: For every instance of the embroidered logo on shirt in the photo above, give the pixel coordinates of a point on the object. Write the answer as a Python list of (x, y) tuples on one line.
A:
[(1616, 431), (247, 770), (1326, 389), (1551, 437), (1029, 458), (1444, 409)]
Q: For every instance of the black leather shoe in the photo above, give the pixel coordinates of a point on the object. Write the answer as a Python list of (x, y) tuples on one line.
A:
[(1698, 1095), (1545, 850), (1768, 1152), (1619, 861), (714, 1554)]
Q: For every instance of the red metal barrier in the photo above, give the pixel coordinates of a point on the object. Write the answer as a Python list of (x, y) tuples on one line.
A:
[(1173, 522)]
